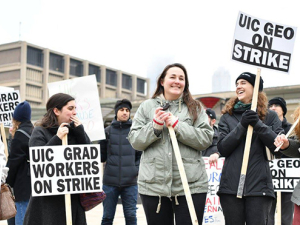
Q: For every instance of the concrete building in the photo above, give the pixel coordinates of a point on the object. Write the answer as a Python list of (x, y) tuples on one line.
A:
[(28, 68)]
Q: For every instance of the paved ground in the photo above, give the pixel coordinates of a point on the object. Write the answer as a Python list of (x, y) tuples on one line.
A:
[(95, 215)]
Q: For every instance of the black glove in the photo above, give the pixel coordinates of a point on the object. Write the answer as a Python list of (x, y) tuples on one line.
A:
[(249, 117)]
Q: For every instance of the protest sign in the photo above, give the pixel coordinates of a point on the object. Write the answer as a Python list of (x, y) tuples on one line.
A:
[(8, 103), (213, 213), (263, 43), (57, 170), (285, 174), (85, 91)]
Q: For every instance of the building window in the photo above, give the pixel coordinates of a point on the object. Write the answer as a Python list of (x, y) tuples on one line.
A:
[(126, 82), (76, 68), (111, 77), (35, 56), (140, 85), (56, 62), (95, 70)]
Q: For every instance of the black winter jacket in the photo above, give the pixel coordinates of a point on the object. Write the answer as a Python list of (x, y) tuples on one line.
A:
[(49, 210), (213, 148), (18, 174), (122, 161), (231, 145)]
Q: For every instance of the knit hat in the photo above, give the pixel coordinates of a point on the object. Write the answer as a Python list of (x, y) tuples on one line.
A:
[(250, 77), (211, 113), (279, 101), (22, 112), (124, 103)]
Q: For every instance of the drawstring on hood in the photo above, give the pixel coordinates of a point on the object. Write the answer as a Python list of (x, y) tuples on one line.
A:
[(176, 200), (159, 205)]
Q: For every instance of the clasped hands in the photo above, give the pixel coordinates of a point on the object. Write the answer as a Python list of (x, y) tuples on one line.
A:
[(161, 117)]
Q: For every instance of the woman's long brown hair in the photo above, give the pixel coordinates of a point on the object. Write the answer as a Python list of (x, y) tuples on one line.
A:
[(15, 126), (262, 108), (193, 105), (296, 115)]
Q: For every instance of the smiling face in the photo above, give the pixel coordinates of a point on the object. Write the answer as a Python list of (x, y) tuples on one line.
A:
[(244, 91), (64, 115), (173, 83)]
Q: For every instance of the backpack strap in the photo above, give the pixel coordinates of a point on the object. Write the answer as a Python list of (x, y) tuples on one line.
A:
[(24, 132)]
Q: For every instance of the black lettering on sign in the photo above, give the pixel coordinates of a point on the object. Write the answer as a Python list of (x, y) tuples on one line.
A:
[(262, 57), (43, 186)]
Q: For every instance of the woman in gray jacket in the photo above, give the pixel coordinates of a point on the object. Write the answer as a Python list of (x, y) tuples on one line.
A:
[(290, 147), (159, 180)]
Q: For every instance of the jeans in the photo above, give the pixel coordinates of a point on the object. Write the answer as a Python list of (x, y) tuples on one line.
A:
[(21, 210), (252, 210), (169, 209), (129, 201)]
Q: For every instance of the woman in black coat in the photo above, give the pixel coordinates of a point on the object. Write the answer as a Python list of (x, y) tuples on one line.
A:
[(258, 193), (61, 111), (18, 175)]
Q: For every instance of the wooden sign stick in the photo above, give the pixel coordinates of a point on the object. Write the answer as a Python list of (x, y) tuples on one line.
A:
[(278, 208), (4, 140), (67, 196), (182, 173), (289, 133), (248, 139)]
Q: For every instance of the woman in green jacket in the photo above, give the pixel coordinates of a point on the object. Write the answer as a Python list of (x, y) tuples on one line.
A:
[(159, 180)]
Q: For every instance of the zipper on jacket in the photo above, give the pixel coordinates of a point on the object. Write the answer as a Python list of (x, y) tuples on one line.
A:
[(120, 152)]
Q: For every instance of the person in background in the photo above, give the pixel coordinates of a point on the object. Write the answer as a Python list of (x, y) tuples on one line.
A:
[(258, 193), (159, 181), (59, 120), (212, 150), (278, 105), (18, 159), (121, 168), (10, 221), (4, 168), (290, 147)]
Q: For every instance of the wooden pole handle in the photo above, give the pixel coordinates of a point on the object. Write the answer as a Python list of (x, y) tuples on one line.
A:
[(182, 173), (248, 139), (67, 196)]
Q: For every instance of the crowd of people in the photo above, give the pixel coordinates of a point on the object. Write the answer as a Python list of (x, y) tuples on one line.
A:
[(139, 157)]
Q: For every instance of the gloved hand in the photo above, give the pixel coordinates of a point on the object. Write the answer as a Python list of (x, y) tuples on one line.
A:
[(4, 174), (172, 121), (249, 117), (159, 118)]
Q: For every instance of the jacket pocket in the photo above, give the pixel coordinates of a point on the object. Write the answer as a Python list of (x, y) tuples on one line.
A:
[(193, 169), (147, 170)]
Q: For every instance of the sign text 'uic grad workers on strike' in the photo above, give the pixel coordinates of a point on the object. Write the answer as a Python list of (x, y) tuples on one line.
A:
[(8, 103), (263, 43), (57, 170)]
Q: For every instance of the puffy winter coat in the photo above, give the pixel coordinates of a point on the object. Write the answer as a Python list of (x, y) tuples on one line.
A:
[(122, 161), (231, 145), (159, 174)]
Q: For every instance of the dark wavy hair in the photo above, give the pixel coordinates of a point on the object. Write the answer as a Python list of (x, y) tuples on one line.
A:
[(193, 105), (58, 101)]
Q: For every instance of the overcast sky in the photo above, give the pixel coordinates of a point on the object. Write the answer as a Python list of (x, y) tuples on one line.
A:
[(141, 37)]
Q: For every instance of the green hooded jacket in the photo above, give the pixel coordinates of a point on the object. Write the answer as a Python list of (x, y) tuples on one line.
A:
[(159, 174)]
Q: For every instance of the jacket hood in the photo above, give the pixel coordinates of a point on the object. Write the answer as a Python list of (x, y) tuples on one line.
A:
[(161, 100)]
